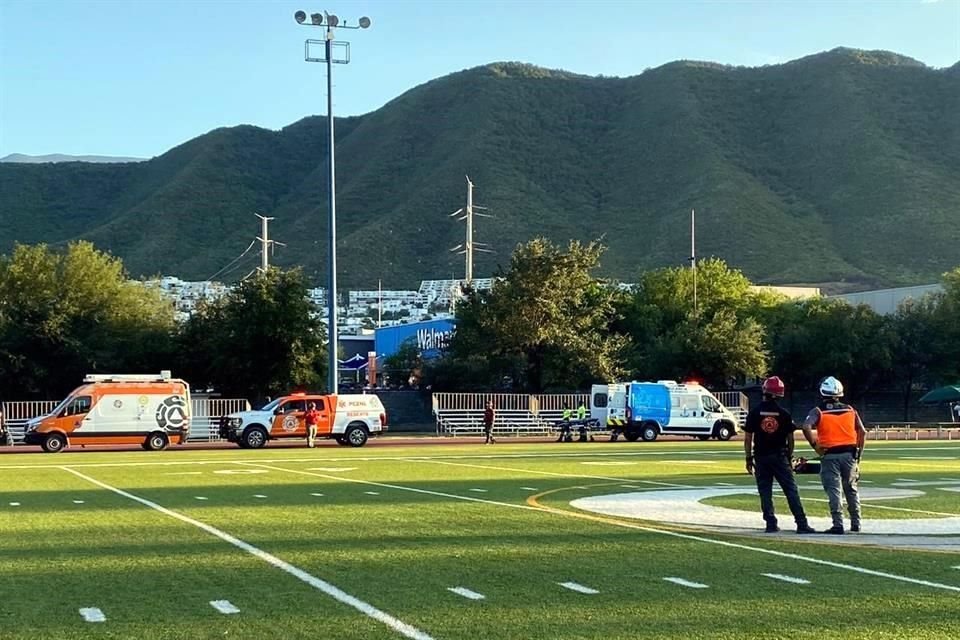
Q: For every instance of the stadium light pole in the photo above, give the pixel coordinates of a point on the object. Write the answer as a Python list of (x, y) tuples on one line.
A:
[(330, 21)]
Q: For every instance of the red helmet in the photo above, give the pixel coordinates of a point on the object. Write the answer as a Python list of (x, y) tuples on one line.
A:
[(773, 386)]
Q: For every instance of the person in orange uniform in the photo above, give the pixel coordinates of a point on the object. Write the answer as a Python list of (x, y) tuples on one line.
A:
[(839, 441), (312, 419)]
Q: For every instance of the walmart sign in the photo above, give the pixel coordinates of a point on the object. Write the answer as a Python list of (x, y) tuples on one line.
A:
[(430, 337)]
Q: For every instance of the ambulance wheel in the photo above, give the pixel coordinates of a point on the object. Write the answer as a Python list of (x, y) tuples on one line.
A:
[(356, 435), (255, 437), (649, 432), (157, 441), (54, 443), (723, 431)]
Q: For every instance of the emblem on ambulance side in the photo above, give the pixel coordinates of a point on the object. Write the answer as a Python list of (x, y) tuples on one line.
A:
[(172, 413)]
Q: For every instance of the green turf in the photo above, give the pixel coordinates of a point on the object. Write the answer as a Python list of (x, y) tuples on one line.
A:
[(153, 575)]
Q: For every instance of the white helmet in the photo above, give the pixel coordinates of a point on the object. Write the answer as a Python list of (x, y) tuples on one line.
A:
[(830, 387)]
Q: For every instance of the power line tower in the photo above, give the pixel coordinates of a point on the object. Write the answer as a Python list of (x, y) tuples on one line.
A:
[(469, 246), (266, 244)]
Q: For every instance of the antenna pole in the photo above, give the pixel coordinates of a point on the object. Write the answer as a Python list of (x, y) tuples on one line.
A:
[(265, 242), (693, 256)]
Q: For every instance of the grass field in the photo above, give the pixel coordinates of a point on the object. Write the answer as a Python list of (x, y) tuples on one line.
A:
[(370, 543)]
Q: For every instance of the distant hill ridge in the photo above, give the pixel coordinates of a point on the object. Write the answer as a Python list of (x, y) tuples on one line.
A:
[(840, 167)]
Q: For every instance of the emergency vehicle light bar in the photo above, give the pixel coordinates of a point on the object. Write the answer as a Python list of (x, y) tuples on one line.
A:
[(127, 377)]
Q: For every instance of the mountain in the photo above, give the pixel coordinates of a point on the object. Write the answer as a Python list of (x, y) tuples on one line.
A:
[(59, 157), (841, 167)]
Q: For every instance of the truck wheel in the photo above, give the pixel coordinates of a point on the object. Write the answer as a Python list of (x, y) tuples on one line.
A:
[(356, 435), (649, 432), (723, 431), (343, 442), (255, 437), (157, 441), (54, 443)]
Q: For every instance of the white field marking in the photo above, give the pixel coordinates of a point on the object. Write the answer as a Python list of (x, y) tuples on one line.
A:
[(678, 451), (610, 463), (479, 490), (636, 527), (955, 489), (259, 495), (686, 583), (693, 462), (866, 503), (579, 588), (332, 469), (232, 472), (581, 488), (529, 488), (319, 495), (724, 484), (907, 480), (334, 592), (200, 497), (92, 614), (666, 484), (466, 593), (957, 567), (950, 479), (78, 502), (858, 482), (778, 576), (928, 458), (629, 486), (925, 483), (184, 473), (224, 606), (371, 493), (14, 504)]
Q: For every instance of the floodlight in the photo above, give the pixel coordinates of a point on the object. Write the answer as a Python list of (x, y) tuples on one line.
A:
[(300, 17), (364, 22), (332, 20), (316, 18)]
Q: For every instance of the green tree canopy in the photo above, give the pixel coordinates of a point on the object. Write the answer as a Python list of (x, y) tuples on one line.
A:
[(66, 314), (262, 338), (545, 323)]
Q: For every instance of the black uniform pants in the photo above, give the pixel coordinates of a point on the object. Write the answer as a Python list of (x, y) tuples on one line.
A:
[(777, 465)]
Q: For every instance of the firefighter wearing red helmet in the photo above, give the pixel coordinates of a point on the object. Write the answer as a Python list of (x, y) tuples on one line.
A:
[(768, 445)]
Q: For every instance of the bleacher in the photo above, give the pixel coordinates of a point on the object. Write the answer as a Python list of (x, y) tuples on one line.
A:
[(461, 414)]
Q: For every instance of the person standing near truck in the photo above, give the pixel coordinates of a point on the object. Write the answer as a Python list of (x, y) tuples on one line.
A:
[(768, 444), (839, 440), (312, 419)]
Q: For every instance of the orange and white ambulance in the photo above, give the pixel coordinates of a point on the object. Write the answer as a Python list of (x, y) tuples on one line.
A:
[(348, 419), (150, 410)]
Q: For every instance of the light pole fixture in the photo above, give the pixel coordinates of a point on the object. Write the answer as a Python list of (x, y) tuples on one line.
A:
[(334, 52)]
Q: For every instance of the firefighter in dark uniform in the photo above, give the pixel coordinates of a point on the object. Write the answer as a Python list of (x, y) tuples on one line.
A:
[(565, 425), (768, 444)]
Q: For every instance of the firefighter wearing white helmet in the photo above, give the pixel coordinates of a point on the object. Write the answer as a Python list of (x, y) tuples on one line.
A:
[(839, 441)]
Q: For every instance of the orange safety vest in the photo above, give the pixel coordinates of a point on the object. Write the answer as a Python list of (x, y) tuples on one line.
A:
[(837, 427)]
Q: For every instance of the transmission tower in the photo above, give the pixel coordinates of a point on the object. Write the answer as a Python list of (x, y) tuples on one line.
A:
[(469, 246)]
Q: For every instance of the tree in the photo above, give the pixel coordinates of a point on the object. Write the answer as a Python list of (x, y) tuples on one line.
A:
[(718, 340), (544, 323), (406, 361), (261, 338), (917, 345), (63, 315)]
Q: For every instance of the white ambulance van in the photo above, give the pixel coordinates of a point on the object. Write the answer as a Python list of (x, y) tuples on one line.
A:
[(646, 410), (150, 410)]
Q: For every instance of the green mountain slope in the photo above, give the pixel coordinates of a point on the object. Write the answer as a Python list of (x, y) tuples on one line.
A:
[(839, 167)]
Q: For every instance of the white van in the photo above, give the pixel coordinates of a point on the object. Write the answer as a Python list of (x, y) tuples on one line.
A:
[(645, 410)]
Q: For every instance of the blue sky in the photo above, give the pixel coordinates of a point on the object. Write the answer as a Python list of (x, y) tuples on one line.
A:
[(137, 78)]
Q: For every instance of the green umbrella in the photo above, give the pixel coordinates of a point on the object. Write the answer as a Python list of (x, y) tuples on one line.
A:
[(941, 395)]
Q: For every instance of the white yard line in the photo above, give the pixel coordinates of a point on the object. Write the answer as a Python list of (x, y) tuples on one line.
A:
[(372, 493), (200, 497), (686, 583), (334, 592), (466, 593), (681, 450), (224, 606), (259, 495), (579, 588), (319, 495), (78, 502), (529, 488), (92, 614), (630, 525), (791, 579), (14, 504), (534, 471), (479, 490)]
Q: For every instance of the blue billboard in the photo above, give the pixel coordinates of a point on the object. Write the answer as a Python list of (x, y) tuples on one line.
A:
[(430, 337)]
